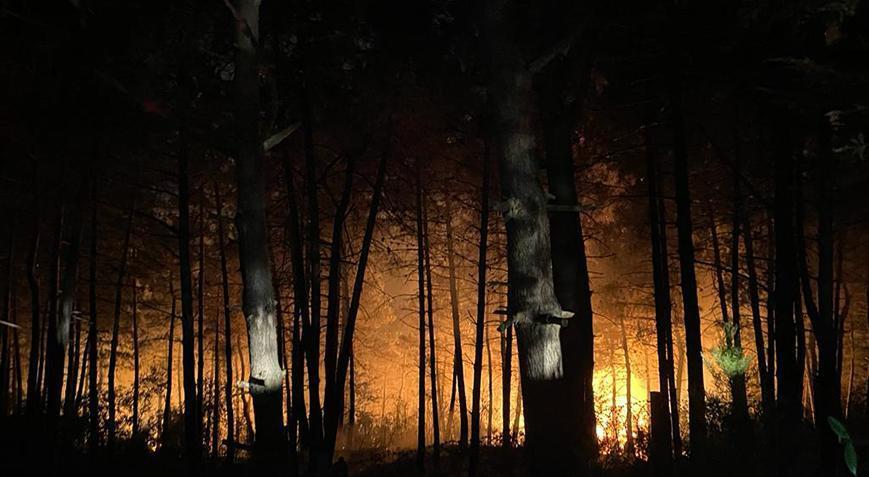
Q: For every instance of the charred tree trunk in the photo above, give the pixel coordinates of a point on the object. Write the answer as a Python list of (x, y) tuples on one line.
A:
[(433, 377), (258, 301), (227, 328), (116, 324), (458, 360)]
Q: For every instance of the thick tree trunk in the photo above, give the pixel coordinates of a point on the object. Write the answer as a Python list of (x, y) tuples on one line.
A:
[(532, 303), (458, 360), (420, 273), (433, 377), (569, 264), (258, 302), (227, 328), (116, 324)]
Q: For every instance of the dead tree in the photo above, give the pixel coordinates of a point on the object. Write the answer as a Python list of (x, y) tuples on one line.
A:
[(227, 327)]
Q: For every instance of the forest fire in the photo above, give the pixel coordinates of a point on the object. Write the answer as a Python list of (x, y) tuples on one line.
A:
[(439, 238)]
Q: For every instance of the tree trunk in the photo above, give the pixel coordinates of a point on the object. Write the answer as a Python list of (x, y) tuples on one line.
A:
[(690, 307), (258, 302), (215, 390), (333, 311), (569, 264), (532, 303), (435, 409), (629, 418), (481, 316), (227, 328), (167, 403), (6, 331), (767, 392), (300, 304), (116, 323), (335, 401), (788, 393), (33, 283), (489, 376), (458, 360), (506, 385), (192, 422), (420, 254), (663, 305), (93, 336), (135, 361), (200, 302)]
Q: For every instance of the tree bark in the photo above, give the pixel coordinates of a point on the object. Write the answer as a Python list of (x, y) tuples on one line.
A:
[(258, 301), (506, 385), (200, 302), (532, 303)]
